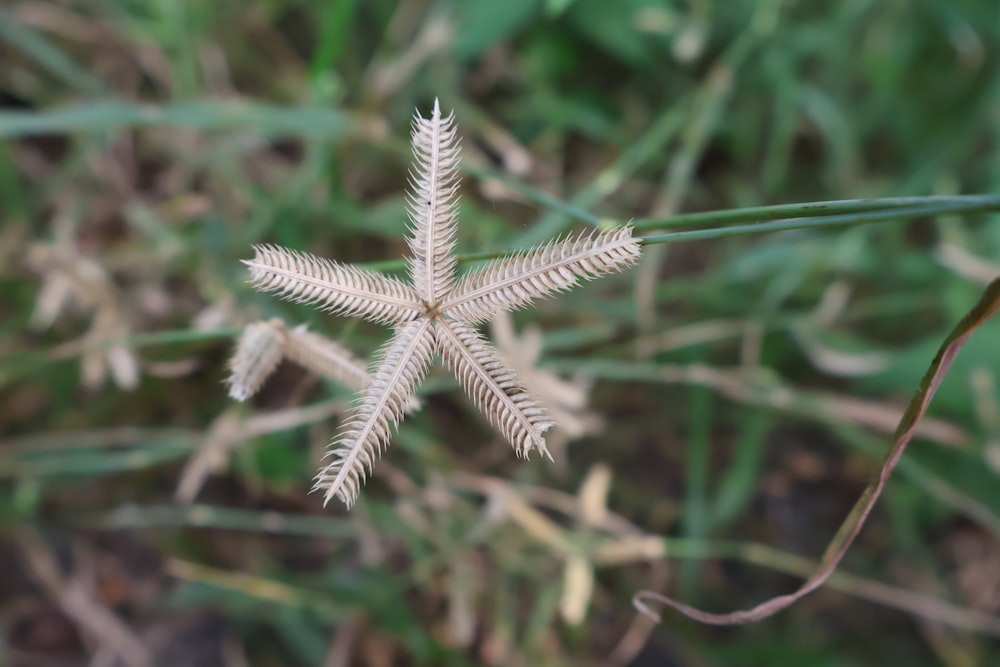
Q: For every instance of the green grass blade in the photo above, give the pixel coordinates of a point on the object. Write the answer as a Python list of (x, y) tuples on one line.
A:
[(806, 210), (738, 482), (312, 122), (37, 47), (974, 205)]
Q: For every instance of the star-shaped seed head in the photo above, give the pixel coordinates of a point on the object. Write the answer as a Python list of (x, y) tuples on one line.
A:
[(436, 314)]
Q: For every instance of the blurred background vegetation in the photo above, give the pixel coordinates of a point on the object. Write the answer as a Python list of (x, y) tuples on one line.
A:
[(733, 389)]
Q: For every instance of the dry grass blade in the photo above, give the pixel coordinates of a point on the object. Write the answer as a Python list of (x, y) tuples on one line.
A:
[(334, 287), (229, 430), (497, 391), (988, 304), (531, 507), (111, 632), (75, 282), (431, 205), (224, 434), (405, 360), (514, 282)]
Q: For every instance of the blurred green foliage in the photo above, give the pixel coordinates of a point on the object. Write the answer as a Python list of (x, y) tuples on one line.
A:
[(149, 144)]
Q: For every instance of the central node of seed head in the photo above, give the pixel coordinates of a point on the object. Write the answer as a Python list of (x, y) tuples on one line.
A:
[(432, 310)]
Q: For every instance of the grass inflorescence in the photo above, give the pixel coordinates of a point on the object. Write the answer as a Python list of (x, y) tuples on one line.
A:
[(814, 189)]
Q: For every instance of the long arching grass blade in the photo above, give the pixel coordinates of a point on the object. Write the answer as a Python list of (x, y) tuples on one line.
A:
[(988, 304)]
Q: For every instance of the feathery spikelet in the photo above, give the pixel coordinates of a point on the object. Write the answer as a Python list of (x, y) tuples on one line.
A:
[(431, 205), (494, 387), (258, 352), (565, 399), (513, 282), (405, 360), (334, 287), (262, 346)]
